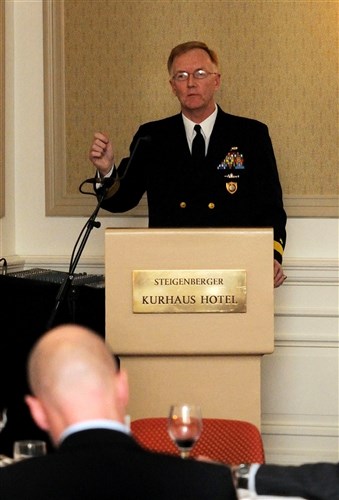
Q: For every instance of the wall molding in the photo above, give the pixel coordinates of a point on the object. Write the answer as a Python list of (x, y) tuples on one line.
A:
[(60, 202), (300, 271), (317, 440), (311, 206)]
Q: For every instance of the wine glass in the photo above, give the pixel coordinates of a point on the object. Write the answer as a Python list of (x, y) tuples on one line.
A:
[(184, 426), (3, 419), (28, 449)]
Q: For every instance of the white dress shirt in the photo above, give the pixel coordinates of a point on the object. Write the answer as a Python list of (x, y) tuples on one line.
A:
[(94, 424)]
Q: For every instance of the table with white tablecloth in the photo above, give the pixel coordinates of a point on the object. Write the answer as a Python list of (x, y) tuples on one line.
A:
[(247, 495)]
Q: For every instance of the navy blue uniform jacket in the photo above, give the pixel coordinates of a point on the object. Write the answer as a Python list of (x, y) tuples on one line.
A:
[(237, 186)]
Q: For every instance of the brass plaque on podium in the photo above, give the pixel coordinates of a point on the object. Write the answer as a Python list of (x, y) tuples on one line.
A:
[(189, 291)]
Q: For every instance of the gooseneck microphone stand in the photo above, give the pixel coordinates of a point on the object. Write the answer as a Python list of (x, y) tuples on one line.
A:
[(80, 244), (108, 188)]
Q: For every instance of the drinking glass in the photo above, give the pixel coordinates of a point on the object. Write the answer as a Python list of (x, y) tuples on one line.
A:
[(3, 418), (184, 427), (28, 449)]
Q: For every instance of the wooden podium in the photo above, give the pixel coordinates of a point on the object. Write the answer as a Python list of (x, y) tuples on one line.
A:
[(203, 357)]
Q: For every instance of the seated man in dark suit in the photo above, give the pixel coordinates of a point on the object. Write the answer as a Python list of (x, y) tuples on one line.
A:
[(79, 397), (313, 481)]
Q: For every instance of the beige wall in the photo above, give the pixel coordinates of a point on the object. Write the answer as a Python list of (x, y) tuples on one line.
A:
[(278, 62)]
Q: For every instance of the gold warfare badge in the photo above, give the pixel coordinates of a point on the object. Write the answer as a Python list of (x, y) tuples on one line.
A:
[(231, 187)]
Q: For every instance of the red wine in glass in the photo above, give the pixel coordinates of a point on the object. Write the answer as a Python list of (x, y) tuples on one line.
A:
[(184, 427)]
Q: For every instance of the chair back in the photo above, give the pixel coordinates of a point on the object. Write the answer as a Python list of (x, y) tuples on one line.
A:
[(222, 440)]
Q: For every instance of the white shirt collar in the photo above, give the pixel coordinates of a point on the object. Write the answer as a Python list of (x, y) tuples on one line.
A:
[(94, 424), (206, 127)]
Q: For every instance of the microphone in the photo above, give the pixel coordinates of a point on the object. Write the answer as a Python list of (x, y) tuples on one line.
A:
[(146, 138), (116, 183), (106, 182)]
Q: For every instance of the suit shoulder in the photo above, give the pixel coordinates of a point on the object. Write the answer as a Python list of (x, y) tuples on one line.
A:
[(158, 125), (242, 121)]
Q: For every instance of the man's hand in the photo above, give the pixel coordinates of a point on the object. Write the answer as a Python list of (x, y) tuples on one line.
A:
[(101, 153), (279, 276)]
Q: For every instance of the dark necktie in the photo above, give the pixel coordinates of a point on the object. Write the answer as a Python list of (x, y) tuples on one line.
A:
[(198, 145)]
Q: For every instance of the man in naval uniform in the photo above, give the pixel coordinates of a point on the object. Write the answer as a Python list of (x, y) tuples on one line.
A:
[(222, 173)]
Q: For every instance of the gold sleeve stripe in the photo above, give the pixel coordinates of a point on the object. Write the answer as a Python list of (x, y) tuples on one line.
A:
[(278, 247)]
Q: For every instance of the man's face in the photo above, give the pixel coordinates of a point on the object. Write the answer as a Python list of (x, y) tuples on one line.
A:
[(195, 95)]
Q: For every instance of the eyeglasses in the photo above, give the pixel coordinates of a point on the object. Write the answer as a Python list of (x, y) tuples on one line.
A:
[(198, 74)]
